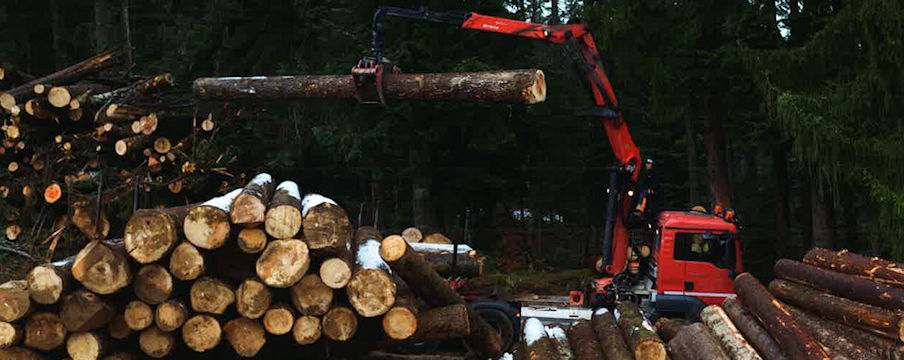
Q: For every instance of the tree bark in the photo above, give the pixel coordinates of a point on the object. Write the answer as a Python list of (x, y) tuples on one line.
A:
[(307, 330), (752, 330), (728, 335), (526, 86), (695, 342), (340, 323), (250, 206), (311, 296), (201, 333), (442, 323), (584, 341), (610, 336), (537, 343), (186, 263), (371, 292), (867, 317), (283, 217), (829, 337), (44, 331), (714, 139), (252, 299), (87, 346), (668, 329), (138, 315), (850, 286), (639, 335), (153, 284), (156, 343), (11, 334), (844, 261), (102, 267), (791, 337), (207, 225), (209, 295), (429, 286), (22, 93), (170, 315), (326, 226), (83, 310), (278, 320), (150, 234), (246, 336), (14, 300), (283, 263)]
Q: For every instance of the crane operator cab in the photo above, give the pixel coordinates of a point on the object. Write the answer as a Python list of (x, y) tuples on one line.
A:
[(678, 264)]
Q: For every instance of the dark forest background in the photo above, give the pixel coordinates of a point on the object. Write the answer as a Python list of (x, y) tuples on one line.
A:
[(789, 112)]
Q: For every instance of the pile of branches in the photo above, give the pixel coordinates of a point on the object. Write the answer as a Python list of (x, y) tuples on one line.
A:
[(91, 136), (258, 271)]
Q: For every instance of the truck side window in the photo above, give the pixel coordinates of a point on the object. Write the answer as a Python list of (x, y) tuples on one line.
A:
[(700, 247)]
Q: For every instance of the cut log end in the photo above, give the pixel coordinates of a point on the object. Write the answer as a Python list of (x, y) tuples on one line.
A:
[(156, 343), (278, 320), (247, 209), (82, 310), (206, 227), (283, 222), (252, 299), (170, 315), (13, 231), (101, 268), (209, 295), (10, 334), (44, 331), (400, 323), (162, 145), (45, 285), (311, 296), (149, 235), (393, 248), (246, 336), (371, 292), (59, 96), (52, 193), (117, 328), (335, 273), (326, 226), (252, 240), (307, 330), (412, 235), (138, 315), (186, 263), (153, 284), (283, 262), (201, 333), (85, 346), (340, 323)]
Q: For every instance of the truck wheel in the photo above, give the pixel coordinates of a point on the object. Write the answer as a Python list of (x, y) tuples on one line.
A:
[(500, 321)]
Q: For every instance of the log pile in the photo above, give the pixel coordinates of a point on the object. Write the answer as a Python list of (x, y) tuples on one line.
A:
[(179, 282)]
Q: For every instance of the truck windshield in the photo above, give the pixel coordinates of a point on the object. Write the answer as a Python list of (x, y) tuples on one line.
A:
[(716, 249)]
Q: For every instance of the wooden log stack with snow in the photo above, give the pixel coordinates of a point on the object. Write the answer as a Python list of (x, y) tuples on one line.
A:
[(207, 225), (249, 207)]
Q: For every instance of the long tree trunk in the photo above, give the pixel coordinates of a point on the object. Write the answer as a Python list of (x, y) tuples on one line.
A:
[(584, 341), (107, 26), (695, 342), (782, 210), (836, 342), (714, 139), (732, 341), (752, 330), (22, 93), (878, 269), (823, 218), (638, 332), (850, 286), (517, 86), (610, 335)]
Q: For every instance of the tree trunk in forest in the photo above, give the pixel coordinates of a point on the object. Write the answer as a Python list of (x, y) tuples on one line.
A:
[(790, 335), (850, 286), (844, 261), (60, 48), (714, 139), (728, 335), (584, 341), (871, 318), (806, 213), (695, 342), (836, 342), (107, 26), (419, 160), (823, 217), (690, 142), (526, 86), (782, 210), (639, 334), (752, 330)]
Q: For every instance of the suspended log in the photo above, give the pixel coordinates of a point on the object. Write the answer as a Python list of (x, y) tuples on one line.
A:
[(429, 286), (14, 300), (252, 240), (584, 341), (752, 330), (311, 296), (186, 262), (156, 343), (791, 337), (209, 295), (250, 206), (82, 310), (610, 336), (639, 334), (335, 272), (340, 323), (87, 346), (844, 261), (102, 267), (201, 333), (207, 225), (371, 292), (19, 353), (246, 336), (307, 330), (70, 74), (117, 328), (517, 86), (537, 343), (252, 299), (695, 342), (138, 315), (283, 263), (837, 342), (668, 329), (10, 334), (860, 315), (152, 233), (412, 235), (62, 96), (728, 335), (278, 320), (170, 315), (283, 217), (326, 226), (44, 331), (850, 286), (153, 284)]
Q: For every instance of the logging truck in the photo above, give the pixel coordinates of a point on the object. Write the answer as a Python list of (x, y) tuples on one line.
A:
[(672, 262)]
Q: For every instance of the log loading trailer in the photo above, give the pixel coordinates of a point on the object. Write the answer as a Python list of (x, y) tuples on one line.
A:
[(672, 263)]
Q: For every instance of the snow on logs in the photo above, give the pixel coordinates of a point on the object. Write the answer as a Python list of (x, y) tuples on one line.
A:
[(526, 86), (207, 225), (250, 205)]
